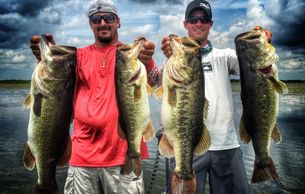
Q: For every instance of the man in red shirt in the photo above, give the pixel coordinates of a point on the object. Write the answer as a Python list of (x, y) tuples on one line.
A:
[(97, 150)]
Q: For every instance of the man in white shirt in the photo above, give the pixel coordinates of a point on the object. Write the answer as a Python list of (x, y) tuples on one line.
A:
[(223, 162)]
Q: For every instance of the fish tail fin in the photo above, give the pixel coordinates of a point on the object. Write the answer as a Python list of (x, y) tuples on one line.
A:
[(183, 186), (264, 171), (50, 189), (132, 164)]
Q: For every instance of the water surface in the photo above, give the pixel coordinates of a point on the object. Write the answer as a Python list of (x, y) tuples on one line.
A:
[(289, 155)]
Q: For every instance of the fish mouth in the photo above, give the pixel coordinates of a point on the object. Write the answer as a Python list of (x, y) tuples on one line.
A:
[(251, 37), (266, 70)]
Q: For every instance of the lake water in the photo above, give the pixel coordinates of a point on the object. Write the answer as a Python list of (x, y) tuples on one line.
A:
[(289, 155)]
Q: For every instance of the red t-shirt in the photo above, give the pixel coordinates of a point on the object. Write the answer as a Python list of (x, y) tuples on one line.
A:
[(95, 139)]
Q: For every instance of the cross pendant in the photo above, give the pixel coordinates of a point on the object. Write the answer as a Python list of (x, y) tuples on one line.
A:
[(104, 64)]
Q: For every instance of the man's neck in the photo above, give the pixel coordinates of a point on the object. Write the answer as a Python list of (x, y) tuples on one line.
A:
[(204, 43), (101, 44)]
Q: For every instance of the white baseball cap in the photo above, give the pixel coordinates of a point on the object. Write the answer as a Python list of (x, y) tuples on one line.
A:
[(97, 6)]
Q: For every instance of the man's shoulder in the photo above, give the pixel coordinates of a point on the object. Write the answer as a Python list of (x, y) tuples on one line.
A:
[(85, 48)]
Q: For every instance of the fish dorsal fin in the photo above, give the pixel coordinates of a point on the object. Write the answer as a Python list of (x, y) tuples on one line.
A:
[(165, 148), (244, 136), (204, 142), (65, 157), (149, 133), (276, 135), (27, 102), (279, 86), (28, 158), (158, 93)]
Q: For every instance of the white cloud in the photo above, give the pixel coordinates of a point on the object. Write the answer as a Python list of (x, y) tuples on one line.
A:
[(19, 59), (172, 24), (146, 30)]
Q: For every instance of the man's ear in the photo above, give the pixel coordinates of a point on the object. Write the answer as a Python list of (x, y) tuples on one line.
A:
[(90, 24), (211, 24), (185, 24), (118, 23)]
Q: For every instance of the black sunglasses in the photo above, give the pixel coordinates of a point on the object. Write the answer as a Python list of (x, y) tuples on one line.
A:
[(194, 19), (96, 19)]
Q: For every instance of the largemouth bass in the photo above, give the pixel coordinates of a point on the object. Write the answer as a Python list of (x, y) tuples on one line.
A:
[(51, 106), (132, 92), (260, 89), (183, 111)]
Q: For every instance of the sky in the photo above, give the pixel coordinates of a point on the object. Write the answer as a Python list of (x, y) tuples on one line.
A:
[(153, 19)]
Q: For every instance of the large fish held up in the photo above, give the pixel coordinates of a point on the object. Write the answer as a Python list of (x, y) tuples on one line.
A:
[(132, 92), (260, 89), (51, 107), (183, 112)]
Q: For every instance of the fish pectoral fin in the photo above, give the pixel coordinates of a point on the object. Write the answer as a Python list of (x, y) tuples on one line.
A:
[(276, 135), (149, 89), (37, 104), (65, 157), (244, 136), (27, 102), (28, 158), (204, 142), (279, 86), (149, 133), (165, 148), (158, 93), (137, 93)]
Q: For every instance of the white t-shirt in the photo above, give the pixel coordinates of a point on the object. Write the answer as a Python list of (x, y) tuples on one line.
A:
[(217, 66)]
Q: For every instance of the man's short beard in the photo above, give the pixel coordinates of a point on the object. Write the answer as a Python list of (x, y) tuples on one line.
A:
[(102, 39), (105, 40)]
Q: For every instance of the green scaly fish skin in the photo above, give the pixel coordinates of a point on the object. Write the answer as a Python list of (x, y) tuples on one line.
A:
[(132, 97), (51, 106), (183, 111), (260, 89)]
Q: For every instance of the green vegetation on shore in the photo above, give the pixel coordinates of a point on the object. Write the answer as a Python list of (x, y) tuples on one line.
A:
[(294, 86), (11, 84)]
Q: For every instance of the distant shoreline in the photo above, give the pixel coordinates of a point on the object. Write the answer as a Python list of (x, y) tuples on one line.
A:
[(294, 86)]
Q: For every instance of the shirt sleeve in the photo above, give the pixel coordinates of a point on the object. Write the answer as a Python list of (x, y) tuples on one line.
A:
[(232, 62), (152, 73)]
